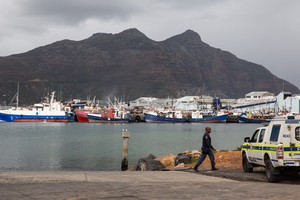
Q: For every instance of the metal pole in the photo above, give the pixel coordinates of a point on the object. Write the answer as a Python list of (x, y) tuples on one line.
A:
[(125, 135)]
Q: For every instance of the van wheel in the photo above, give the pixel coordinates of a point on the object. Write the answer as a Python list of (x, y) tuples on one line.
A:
[(272, 178), (247, 167)]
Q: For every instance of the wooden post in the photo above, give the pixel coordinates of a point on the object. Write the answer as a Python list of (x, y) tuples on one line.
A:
[(125, 135)]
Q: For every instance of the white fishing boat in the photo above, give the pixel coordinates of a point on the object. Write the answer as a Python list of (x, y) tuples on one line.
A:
[(164, 116), (49, 111)]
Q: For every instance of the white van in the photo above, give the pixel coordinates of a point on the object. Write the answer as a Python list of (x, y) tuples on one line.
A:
[(275, 147)]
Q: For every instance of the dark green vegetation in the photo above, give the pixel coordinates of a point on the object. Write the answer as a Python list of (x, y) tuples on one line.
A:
[(131, 65)]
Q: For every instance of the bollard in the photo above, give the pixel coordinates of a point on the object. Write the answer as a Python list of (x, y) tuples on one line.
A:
[(125, 135)]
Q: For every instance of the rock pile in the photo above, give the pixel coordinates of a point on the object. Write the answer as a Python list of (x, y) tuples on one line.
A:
[(152, 163), (149, 164)]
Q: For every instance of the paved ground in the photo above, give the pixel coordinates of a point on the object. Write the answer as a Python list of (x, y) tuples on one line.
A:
[(136, 185), (258, 175)]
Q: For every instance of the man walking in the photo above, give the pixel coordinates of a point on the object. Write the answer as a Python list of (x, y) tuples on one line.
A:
[(207, 149)]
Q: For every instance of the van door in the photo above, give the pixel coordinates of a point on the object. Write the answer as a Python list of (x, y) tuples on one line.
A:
[(252, 152), (260, 146)]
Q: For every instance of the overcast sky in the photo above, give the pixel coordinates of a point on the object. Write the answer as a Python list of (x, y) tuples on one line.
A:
[(265, 32)]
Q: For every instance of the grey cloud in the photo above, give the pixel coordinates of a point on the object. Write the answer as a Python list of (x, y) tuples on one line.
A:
[(71, 12), (191, 4)]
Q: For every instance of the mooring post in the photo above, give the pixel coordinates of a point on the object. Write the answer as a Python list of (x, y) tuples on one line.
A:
[(125, 135)]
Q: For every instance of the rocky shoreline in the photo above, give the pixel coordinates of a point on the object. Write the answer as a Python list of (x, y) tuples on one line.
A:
[(186, 160), (228, 162)]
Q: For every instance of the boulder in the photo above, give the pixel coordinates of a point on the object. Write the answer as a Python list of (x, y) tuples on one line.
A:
[(151, 156), (195, 154), (183, 158), (149, 164), (168, 161)]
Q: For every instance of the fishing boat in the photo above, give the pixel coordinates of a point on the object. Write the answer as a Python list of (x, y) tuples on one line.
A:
[(114, 112), (82, 108), (245, 119), (249, 118), (110, 115), (51, 111), (82, 115), (164, 116), (198, 116)]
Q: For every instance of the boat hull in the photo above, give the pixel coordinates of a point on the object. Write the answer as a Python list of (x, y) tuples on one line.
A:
[(82, 119), (212, 119), (96, 118), (41, 120), (28, 117), (252, 120), (82, 116), (156, 118)]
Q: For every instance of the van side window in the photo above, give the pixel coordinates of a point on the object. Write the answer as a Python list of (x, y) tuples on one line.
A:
[(297, 133), (261, 135), (255, 136), (275, 133)]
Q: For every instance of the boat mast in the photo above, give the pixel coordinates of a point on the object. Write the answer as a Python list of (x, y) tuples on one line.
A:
[(52, 98), (17, 96)]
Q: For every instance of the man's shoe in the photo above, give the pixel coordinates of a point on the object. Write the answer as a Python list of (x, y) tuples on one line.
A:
[(213, 169), (196, 170)]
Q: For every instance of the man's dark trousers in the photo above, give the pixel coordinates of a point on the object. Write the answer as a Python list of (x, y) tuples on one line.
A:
[(211, 156)]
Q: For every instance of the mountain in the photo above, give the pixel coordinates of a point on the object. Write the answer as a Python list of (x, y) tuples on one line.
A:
[(130, 65)]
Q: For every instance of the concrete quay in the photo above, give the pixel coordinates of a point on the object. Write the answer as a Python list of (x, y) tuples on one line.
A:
[(135, 185)]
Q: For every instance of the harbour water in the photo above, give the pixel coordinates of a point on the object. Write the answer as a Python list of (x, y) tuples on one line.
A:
[(98, 147)]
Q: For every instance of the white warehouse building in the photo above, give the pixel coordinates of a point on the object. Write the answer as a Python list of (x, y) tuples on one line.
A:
[(287, 102)]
